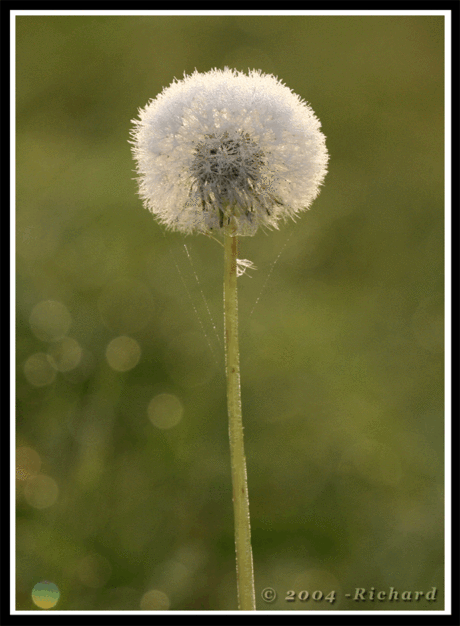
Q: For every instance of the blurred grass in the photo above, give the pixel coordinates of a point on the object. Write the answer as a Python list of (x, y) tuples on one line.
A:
[(342, 358)]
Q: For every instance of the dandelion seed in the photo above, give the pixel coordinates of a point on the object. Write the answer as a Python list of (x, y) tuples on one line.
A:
[(224, 148), (242, 265)]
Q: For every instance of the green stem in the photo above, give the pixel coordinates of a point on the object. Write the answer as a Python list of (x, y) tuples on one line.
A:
[(244, 566)]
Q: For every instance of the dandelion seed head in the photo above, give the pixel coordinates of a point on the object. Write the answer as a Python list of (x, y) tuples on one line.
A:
[(227, 149)]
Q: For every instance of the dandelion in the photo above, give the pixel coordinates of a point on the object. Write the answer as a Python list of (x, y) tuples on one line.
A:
[(225, 147), (226, 153)]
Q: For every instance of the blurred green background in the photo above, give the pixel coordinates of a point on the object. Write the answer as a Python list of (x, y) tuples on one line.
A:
[(124, 497)]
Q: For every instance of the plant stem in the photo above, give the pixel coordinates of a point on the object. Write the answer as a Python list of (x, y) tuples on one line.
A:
[(244, 566)]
